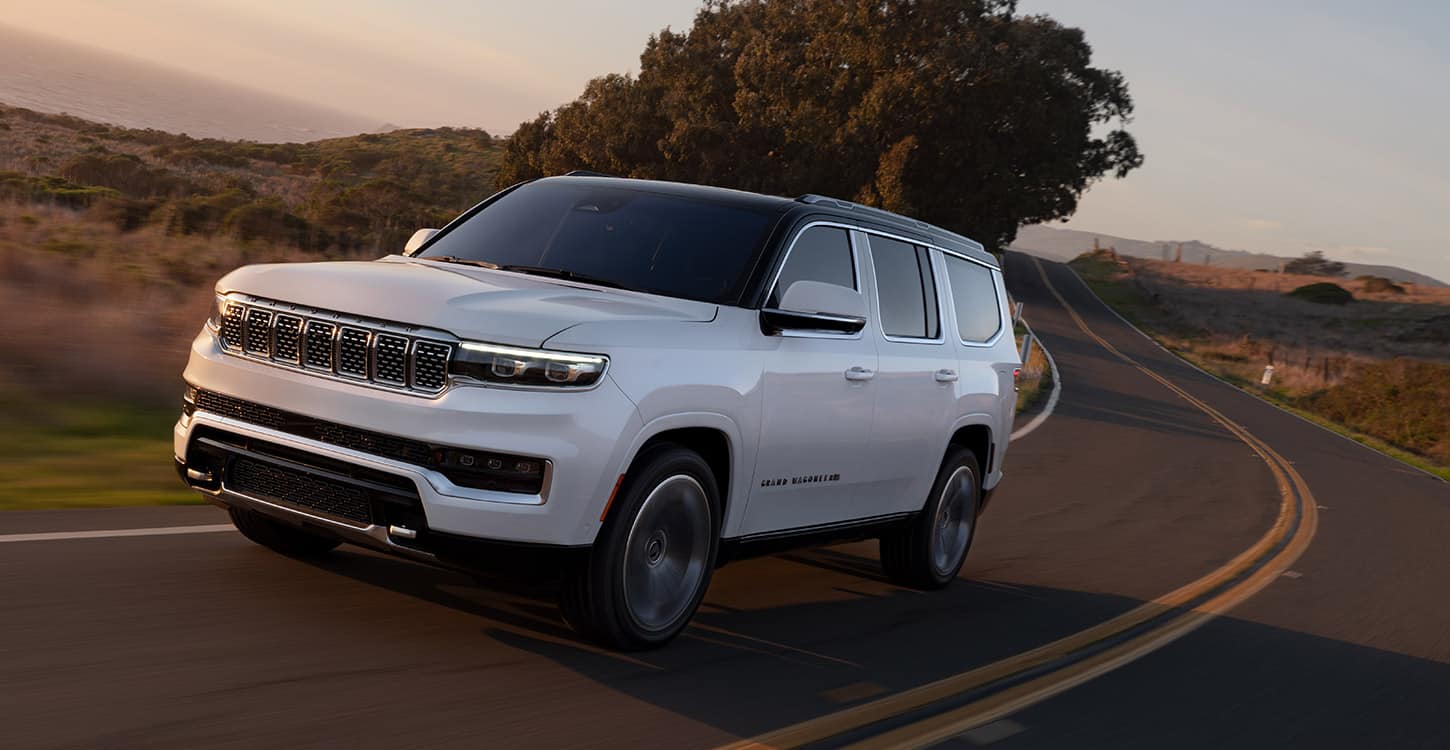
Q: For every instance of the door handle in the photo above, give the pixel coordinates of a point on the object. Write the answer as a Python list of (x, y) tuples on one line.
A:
[(860, 373), (946, 376)]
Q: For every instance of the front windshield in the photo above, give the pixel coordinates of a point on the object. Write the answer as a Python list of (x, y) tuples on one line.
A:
[(620, 236)]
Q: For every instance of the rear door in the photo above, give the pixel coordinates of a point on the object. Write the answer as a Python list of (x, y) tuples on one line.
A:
[(916, 373)]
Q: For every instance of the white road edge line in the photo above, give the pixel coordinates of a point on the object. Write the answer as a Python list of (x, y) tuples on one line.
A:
[(55, 536), (1244, 391), (1051, 397)]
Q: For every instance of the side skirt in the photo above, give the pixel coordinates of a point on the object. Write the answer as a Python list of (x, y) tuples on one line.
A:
[(773, 542)]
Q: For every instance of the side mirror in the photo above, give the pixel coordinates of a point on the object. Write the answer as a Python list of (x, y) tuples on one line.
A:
[(816, 306), (419, 239)]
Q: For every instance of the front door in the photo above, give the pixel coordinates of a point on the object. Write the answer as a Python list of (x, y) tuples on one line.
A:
[(818, 400)]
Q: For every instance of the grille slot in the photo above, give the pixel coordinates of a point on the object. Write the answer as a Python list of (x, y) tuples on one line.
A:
[(271, 482), (430, 365), (319, 344), (232, 319), (286, 334), (352, 352), (258, 335), (390, 359)]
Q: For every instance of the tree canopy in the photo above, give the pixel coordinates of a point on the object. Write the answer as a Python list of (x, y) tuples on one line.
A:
[(1314, 264), (962, 113)]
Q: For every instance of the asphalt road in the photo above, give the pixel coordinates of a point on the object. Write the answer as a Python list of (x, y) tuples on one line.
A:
[(1128, 491)]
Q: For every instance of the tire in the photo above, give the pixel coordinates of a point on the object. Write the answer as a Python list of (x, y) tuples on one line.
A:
[(280, 537), (651, 563), (928, 552)]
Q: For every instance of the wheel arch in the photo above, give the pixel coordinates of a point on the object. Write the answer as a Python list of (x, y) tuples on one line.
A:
[(715, 437), (975, 434)]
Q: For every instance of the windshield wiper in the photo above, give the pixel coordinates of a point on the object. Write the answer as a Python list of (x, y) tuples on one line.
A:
[(456, 259), (559, 273)]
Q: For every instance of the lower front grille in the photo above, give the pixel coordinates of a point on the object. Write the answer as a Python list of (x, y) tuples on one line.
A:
[(271, 482), (485, 470)]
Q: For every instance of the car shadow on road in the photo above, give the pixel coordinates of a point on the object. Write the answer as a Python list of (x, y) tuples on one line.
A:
[(787, 638)]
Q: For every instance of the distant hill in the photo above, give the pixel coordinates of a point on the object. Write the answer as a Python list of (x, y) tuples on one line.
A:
[(54, 76), (1066, 244)]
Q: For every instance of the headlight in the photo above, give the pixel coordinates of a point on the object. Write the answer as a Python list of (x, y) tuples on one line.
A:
[(506, 365), (218, 309)]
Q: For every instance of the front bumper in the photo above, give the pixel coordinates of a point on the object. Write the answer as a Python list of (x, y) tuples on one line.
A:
[(582, 435)]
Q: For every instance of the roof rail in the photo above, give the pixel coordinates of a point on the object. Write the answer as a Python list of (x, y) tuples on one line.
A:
[(586, 173), (813, 199)]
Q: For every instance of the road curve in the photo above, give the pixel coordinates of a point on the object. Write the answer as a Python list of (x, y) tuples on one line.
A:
[(1126, 493)]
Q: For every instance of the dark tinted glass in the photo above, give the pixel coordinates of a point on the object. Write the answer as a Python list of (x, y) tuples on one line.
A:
[(904, 288), (974, 295), (635, 238), (819, 254)]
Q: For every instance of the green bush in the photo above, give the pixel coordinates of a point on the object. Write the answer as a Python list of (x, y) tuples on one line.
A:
[(1323, 293)]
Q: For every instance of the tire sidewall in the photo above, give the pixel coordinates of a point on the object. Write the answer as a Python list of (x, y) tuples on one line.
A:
[(608, 556), (957, 459)]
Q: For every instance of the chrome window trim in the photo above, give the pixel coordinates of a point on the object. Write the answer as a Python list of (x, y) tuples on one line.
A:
[(855, 268), (1003, 319), (941, 336), (339, 322)]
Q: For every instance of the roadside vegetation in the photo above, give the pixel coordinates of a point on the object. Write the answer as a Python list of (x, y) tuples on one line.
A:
[(1375, 367), (85, 453), (1036, 382)]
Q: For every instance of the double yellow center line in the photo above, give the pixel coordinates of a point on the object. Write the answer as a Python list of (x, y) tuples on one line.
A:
[(968, 699)]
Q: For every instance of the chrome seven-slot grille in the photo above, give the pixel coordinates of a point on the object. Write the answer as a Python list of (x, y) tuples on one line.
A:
[(324, 345)]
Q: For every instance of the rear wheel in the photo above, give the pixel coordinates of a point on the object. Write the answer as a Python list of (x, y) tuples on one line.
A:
[(928, 552), (280, 537), (650, 565)]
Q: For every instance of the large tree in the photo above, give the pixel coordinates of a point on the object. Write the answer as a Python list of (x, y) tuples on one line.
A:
[(958, 112)]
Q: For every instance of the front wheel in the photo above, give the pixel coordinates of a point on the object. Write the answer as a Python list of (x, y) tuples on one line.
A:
[(928, 552), (652, 561)]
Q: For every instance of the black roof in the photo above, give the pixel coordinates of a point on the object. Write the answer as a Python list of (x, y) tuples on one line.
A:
[(805, 204)]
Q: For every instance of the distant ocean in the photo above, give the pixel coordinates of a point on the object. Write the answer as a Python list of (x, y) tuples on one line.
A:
[(48, 75)]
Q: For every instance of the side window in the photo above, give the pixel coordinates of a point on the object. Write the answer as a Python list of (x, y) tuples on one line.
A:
[(905, 289), (819, 254), (974, 295)]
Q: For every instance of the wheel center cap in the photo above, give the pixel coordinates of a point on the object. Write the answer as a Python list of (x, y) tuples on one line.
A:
[(654, 549)]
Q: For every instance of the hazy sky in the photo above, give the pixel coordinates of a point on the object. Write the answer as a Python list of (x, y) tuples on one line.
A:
[(1275, 126)]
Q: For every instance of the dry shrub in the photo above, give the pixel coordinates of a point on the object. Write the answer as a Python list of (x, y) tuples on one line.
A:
[(1403, 401), (94, 312)]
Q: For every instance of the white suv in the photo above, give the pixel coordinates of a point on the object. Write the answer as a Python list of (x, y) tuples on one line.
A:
[(619, 382)]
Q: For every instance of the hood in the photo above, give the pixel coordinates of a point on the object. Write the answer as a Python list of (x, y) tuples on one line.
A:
[(469, 302)]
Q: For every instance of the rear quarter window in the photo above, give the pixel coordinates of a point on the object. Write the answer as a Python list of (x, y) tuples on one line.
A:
[(974, 296)]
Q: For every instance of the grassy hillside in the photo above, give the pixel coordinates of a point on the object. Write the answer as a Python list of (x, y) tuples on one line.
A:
[(110, 242), (360, 193), (1377, 367)]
